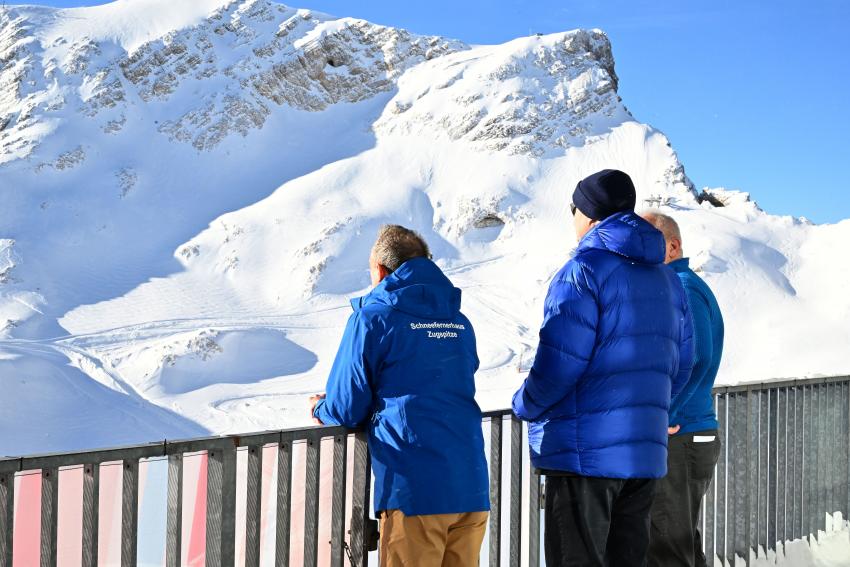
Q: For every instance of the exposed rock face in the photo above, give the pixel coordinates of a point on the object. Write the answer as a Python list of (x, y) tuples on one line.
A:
[(251, 56), (247, 57), (552, 88)]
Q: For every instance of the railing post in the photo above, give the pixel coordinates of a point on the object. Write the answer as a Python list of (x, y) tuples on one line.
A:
[(91, 514), (284, 502), (174, 511), (311, 503), (253, 506), (130, 513), (221, 505), (516, 493), (49, 515), (534, 506), (338, 501), (7, 517), (362, 530), (495, 491)]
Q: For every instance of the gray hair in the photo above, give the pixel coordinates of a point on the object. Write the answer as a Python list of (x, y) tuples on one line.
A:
[(665, 223), (396, 245)]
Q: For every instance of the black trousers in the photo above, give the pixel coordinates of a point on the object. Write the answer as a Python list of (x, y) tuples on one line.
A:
[(596, 522), (674, 539)]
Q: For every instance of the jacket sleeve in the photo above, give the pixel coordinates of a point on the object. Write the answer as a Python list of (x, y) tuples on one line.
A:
[(686, 358), (348, 398), (567, 340), (702, 349)]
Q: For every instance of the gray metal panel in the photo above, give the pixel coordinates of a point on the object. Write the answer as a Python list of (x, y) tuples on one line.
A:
[(782, 532), (763, 469), (7, 517), (495, 491), (311, 505), (49, 515), (174, 512), (253, 507), (338, 501), (772, 463), (534, 505), (361, 486), (130, 513), (845, 482), (284, 503), (739, 414), (722, 480), (221, 506), (711, 503), (822, 459), (91, 514), (753, 416), (812, 464), (516, 494), (796, 494)]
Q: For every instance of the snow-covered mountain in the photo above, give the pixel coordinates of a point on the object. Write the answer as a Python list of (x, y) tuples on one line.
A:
[(189, 190)]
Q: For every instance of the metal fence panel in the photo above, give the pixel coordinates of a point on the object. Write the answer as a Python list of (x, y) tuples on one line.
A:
[(495, 544), (784, 465), (49, 515), (7, 517)]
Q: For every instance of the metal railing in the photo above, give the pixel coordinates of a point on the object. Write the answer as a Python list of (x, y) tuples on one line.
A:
[(784, 468)]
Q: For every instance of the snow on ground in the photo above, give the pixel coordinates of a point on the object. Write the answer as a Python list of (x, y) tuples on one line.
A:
[(189, 192)]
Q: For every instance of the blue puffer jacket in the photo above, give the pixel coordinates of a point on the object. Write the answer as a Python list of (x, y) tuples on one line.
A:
[(616, 342), (405, 369)]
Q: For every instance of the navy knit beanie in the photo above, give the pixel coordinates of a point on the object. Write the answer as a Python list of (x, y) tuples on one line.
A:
[(604, 193)]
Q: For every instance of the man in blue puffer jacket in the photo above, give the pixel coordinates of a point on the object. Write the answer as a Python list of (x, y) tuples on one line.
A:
[(615, 345), (405, 370)]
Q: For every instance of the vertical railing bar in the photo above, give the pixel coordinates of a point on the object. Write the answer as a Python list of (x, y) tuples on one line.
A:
[(795, 469), (495, 554), (751, 470), (130, 513), (253, 507), (534, 518), (360, 496), (221, 506), (821, 462), (7, 517), (813, 468), (49, 515), (311, 503), (91, 514), (338, 501), (284, 503), (516, 493), (174, 511), (723, 485)]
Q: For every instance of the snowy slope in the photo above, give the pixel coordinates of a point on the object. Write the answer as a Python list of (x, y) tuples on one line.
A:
[(189, 191)]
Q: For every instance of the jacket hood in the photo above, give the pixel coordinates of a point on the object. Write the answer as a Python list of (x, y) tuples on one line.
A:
[(418, 287), (628, 235)]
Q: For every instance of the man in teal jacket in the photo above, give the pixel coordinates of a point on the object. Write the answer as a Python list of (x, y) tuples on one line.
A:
[(694, 446), (405, 372)]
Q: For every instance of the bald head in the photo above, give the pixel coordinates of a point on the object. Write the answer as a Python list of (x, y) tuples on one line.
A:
[(670, 229)]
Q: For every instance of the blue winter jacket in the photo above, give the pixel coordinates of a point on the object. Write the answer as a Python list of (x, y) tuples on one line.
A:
[(614, 346), (405, 370), (693, 408)]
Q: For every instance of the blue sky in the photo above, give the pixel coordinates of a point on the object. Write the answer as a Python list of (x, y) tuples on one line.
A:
[(753, 95)]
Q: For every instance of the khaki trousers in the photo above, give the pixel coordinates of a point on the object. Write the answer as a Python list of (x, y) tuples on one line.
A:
[(436, 540)]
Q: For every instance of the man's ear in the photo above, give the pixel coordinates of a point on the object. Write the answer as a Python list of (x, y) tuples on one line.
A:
[(383, 272)]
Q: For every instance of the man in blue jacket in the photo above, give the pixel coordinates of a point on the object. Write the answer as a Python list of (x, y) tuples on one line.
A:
[(615, 344), (405, 371), (694, 446)]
